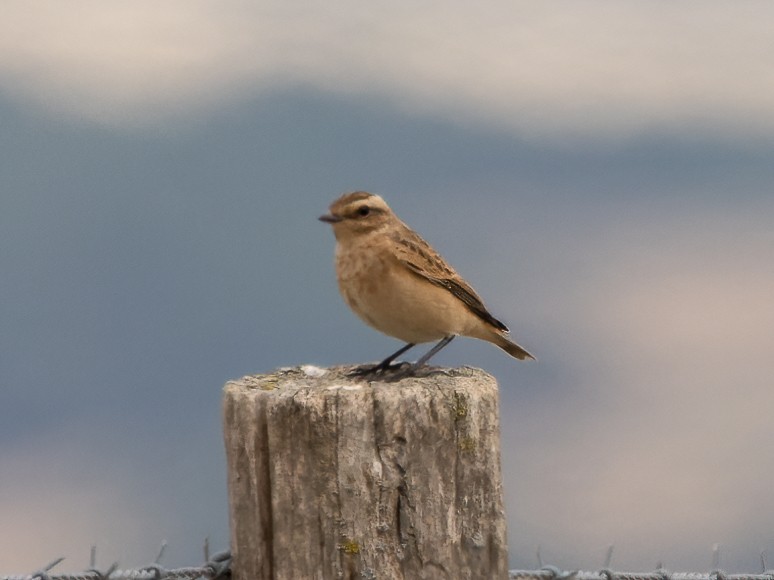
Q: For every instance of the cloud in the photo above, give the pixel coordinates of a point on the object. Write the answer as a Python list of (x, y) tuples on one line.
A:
[(57, 502), (567, 68), (659, 441)]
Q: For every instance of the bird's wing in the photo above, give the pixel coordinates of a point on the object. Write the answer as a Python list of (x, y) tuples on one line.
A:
[(422, 260)]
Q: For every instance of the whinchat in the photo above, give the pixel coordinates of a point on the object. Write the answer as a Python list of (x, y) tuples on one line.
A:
[(396, 283)]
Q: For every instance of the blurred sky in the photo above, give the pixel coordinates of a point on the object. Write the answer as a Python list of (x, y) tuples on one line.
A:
[(600, 170)]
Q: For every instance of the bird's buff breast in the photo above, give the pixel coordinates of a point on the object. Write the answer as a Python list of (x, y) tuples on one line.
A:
[(391, 299)]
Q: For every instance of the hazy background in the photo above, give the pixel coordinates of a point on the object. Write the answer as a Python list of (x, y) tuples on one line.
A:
[(600, 170)]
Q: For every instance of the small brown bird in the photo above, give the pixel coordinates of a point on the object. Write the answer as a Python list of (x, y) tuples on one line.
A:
[(396, 283)]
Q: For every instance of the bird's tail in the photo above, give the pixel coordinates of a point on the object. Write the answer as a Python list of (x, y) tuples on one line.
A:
[(512, 348)]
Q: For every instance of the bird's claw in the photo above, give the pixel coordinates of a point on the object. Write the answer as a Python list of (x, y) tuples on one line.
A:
[(391, 370)]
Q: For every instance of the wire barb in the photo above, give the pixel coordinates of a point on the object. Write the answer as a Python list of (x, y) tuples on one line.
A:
[(102, 575), (609, 556), (161, 552), (42, 574)]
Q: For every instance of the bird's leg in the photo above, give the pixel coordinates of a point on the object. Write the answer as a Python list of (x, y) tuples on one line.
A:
[(384, 365), (433, 351), (424, 358)]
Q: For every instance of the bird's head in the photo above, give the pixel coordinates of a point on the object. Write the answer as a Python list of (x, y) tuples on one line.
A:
[(357, 214)]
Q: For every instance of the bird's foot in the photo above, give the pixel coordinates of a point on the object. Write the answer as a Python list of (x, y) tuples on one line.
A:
[(377, 369), (414, 370), (403, 371), (392, 373)]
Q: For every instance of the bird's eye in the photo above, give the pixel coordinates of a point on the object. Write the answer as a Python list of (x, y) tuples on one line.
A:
[(363, 211)]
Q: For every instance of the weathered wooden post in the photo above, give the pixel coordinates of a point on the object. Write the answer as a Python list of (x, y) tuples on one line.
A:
[(335, 477)]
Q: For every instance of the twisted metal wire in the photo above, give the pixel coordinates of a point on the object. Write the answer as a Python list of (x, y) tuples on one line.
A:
[(216, 568), (606, 573), (553, 573)]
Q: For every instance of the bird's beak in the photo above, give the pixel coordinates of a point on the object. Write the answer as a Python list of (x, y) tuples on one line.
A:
[(330, 218)]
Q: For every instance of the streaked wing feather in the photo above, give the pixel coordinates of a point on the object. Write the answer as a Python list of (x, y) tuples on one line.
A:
[(420, 258)]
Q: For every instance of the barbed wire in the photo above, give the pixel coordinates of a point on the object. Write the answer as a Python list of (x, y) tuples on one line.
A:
[(554, 573), (217, 567), (547, 572)]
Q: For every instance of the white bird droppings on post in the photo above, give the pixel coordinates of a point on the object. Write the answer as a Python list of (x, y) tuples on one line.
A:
[(313, 371)]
